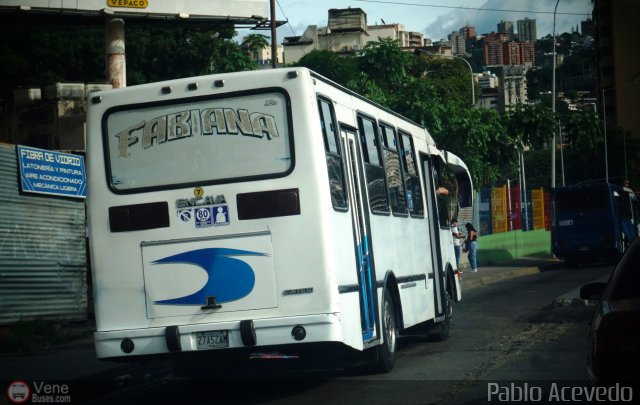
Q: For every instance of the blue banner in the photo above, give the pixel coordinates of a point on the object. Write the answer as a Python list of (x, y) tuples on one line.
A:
[(54, 173)]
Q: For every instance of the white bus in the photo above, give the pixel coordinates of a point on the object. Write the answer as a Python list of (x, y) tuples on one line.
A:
[(272, 211)]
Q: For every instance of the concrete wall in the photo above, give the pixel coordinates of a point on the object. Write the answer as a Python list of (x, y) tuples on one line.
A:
[(500, 247)]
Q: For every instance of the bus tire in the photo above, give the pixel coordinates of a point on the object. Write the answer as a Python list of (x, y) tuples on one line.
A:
[(440, 331), (385, 357)]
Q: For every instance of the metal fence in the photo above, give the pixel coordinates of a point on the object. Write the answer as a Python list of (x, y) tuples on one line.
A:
[(501, 209)]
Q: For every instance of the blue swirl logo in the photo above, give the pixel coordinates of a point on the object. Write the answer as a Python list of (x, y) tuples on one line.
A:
[(229, 279)]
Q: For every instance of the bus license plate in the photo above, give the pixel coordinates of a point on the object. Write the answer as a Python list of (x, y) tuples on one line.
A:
[(212, 340)]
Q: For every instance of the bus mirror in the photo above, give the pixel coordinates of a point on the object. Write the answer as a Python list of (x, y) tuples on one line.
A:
[(592, 291)]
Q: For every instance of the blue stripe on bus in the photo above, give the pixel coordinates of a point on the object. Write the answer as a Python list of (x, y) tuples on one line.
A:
[(229, 279), (366, 287)]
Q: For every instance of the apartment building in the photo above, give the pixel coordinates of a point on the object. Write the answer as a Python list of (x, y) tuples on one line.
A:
[(616, 38), (347, 32), (527, 30)]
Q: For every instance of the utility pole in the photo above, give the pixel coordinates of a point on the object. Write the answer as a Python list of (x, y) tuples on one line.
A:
[(116, 60), (604, 122)]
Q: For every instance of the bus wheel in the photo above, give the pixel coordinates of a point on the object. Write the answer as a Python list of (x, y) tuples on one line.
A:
[(440, 331), (386, 352)]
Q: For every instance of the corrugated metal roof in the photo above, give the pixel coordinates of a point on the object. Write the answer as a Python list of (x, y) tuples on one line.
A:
[(43, 270)]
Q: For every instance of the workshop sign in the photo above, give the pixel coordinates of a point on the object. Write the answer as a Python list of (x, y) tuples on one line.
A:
[(54, 173)]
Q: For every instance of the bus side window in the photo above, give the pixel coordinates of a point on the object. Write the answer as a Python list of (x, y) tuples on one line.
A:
[(413, 187), (332, 152), (376, 184), (393, 171)]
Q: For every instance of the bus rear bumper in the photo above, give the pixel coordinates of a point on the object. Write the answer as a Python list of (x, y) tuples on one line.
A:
[(184, 338)]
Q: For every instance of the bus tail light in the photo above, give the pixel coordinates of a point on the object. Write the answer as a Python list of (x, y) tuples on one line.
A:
[(298, 332), (127, 346), (267, 204)]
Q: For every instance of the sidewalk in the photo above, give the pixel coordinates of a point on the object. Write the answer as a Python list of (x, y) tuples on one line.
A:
[(514, 268), (77, 359)]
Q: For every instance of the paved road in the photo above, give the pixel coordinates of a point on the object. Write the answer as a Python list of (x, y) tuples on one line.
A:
[(503, 332)]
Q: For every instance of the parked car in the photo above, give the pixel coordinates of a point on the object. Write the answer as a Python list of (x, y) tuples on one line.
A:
[(614, 335)]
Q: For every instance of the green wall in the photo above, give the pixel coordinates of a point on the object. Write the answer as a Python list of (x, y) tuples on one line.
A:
[(499, 247)]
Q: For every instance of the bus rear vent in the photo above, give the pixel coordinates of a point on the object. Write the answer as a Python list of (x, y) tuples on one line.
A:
[(267, 204)]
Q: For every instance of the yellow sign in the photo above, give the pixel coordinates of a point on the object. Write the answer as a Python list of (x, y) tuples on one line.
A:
[(128, 3), (198, 192)]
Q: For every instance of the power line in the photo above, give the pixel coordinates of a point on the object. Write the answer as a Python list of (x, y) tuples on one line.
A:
[(286, 18), (401, 3), (289, 24)]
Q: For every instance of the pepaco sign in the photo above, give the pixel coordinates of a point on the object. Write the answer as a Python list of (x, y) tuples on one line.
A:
[(128, 3), (54, 173)]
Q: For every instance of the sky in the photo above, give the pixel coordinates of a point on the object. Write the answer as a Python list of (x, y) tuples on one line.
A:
[(437, 18)]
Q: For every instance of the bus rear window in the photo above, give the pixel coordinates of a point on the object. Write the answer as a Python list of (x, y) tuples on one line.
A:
[(215, 140)]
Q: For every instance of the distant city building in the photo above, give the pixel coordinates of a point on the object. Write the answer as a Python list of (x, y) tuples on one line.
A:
[(347, 32), (527, 30), (506, 27), (486, 80), (510, 53), (489, 87), (347, 20), (458, 43), (407, 39), (546, 59), (468, 32), (437, 49), (588, 28), (499, 50), (527, 54), (492, 48), (488, 99), (262, 56), (618, 65), (513, 86), (298, 46)]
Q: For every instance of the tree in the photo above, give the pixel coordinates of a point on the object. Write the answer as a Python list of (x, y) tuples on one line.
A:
[(37, 56), (256, 42), (384, 62), (33, 55), (450, 77), (161, 53), (329, 64), (530, 125)]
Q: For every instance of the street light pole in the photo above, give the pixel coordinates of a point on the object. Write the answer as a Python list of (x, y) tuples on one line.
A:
[(553, 100)]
